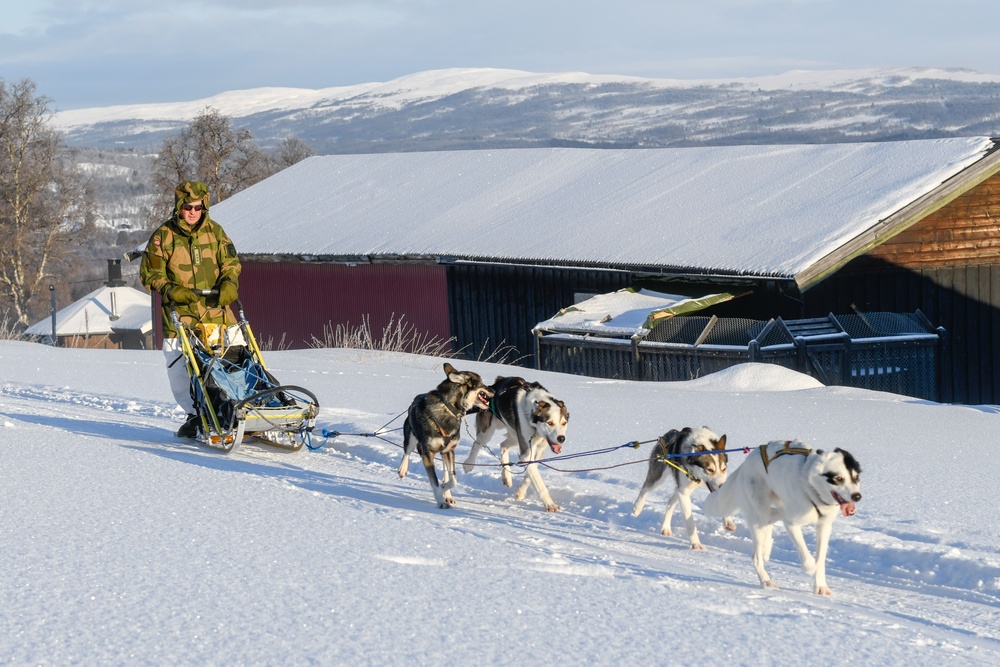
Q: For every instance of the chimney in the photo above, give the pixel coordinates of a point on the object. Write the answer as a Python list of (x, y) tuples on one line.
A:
[(115, 273)]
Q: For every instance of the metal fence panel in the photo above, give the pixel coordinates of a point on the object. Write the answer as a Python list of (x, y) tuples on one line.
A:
[(894, 352)]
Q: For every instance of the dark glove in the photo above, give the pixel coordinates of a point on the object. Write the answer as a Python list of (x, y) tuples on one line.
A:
[(227, 293), (180, 294)]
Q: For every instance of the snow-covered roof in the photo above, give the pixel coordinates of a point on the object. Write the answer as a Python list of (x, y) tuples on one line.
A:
[(625, 312), (92, 315), (757, 210)]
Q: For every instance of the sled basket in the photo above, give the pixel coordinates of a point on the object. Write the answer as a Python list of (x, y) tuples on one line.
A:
[(234, 393), (248, 401)]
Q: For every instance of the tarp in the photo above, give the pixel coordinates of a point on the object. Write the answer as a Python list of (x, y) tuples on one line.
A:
[(627, 311)]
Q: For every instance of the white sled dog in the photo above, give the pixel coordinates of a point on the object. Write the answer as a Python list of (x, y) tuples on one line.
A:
[(787, 481), (696, 459), (534, 419), (433, 424)]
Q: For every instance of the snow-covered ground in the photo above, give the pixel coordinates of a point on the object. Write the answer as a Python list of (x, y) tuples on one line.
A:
[(122, 545)]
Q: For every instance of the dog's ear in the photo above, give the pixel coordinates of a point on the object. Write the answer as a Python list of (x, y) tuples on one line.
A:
[(721, 444), (699, 448), (455, 376), (850, 462)]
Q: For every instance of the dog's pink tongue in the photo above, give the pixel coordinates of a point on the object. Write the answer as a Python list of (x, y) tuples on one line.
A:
[(847, 508), (556, 447)]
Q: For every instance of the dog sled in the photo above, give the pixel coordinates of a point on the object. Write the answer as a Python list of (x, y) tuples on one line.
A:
[(235, 395)]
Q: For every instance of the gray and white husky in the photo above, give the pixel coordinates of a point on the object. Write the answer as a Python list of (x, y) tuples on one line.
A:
[(697, 458), (534, 420), (787, 481), (433, 424)]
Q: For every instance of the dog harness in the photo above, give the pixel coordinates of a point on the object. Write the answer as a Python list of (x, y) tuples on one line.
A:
[(787, 449), (665, 458)]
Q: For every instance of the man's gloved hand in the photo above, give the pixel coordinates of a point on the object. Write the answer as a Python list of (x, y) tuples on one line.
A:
[(227, 293), (181, 294)]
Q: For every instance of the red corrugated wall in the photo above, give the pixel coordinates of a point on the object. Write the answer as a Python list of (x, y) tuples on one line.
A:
[(298, 299)]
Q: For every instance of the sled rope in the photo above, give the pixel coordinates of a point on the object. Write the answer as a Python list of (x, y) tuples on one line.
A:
[(547, 463), (378, 433), (635, 444)]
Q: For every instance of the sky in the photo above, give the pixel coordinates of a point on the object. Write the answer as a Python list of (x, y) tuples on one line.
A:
[(112, 52), (125, 545)]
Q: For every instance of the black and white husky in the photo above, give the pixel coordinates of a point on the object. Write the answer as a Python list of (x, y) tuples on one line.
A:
[(534, 420), (433, 424), (696, 459), (788, 482)]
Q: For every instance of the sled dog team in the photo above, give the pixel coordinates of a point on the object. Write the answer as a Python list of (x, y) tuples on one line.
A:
[(780, 481)]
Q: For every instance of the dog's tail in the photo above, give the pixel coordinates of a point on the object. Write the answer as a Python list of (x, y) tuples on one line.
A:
[(725, 500)]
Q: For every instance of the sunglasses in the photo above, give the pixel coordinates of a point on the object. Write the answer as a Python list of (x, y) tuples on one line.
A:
[(192, 207)]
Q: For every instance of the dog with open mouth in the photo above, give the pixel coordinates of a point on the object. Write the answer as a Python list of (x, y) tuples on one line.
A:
[(433, 426), (535, 422), (787, 481)]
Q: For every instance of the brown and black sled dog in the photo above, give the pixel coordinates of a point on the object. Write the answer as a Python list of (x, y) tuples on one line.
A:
[(433, 424)]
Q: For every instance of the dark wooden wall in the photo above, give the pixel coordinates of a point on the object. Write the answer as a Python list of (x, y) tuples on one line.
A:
[(494, 305)]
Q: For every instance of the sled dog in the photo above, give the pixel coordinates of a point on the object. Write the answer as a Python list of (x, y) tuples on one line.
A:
[(433, 423), (693, 458), (533, 419), (787, 481)]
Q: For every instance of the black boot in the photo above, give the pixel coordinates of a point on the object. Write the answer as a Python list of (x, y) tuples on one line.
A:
[(190, 428)]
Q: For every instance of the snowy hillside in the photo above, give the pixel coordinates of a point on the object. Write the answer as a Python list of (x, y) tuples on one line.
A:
[(124, 545), (490, 108)]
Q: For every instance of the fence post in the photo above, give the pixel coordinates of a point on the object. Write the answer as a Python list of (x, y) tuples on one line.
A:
[(801, 358), (846, 379)]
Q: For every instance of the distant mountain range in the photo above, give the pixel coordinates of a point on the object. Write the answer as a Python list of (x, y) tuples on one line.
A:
[(491, 108)]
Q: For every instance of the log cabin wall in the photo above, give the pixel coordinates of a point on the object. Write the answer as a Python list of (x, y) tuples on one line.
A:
[(948, 266)]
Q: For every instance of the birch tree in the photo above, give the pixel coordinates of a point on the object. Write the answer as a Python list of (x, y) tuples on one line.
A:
[(40, 201)]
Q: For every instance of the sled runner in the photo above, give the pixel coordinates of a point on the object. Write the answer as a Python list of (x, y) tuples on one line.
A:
[(234, 394)]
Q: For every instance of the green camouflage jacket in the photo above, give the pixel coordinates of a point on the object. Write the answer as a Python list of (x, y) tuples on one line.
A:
[(197, 257)]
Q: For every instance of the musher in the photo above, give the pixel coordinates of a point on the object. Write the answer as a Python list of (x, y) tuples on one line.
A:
[(190, 251)]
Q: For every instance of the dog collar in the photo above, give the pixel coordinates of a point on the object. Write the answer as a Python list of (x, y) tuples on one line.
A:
[(787, 449)]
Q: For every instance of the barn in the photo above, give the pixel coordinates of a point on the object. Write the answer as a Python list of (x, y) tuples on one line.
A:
[(477, 247)]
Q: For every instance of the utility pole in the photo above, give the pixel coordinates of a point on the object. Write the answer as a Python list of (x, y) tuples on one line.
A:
[(52, 291)]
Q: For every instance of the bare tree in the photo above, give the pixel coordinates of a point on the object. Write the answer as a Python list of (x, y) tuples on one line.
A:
[(290, 151), (211, 150), (41, 198)]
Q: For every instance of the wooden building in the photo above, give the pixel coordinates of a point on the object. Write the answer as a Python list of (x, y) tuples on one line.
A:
[(479, 246), (114, 316)]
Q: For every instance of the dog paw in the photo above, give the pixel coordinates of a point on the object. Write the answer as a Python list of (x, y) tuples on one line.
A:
[(729, 524), (552, 508), (666, 532), (697, 546), (823, 590), (507, 481), (768, 584)]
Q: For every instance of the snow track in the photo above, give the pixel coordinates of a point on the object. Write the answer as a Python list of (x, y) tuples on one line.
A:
[(111, 518)]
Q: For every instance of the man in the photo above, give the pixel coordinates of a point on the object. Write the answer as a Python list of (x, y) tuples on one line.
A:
[(188, 252)]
